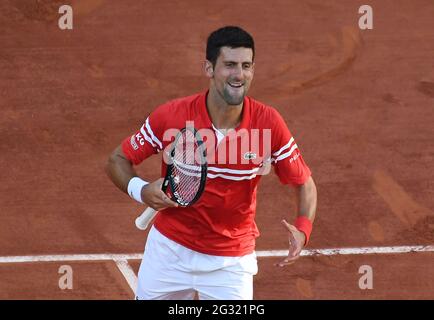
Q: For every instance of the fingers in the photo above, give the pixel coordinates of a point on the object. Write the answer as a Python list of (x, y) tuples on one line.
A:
[(154, 197), (294, 251), (292, 230), (287, 261), (295, 235), (167, 201), (295, 245), (159, 182), (293, 255), (288, 226), (162, 201)]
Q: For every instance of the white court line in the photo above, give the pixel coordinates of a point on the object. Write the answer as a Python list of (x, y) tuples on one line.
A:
[(121, 260), (70, 257), (349, 251), (267, 253), (128, 274)]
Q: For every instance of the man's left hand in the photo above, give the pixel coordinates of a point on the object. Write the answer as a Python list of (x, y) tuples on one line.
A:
[(296, 240)]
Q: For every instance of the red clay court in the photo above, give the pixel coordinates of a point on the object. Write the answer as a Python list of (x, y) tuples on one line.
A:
[(360, 104)]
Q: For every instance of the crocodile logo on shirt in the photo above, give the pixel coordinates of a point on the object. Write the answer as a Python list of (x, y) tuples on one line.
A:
[(249, 155)]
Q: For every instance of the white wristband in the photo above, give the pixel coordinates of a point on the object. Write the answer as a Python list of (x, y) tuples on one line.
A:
[(135, 188)]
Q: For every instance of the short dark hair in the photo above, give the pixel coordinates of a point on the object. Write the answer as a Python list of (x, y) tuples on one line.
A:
[(229, 36)]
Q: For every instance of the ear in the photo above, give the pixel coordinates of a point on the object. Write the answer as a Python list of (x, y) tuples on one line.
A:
[(208, 69)]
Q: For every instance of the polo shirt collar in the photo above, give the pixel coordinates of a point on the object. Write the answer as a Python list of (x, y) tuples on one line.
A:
[(245, 117)]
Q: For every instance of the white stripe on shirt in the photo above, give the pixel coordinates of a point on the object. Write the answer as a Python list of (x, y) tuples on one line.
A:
[(145, 135), (286, 155), (286, 146), (154, 138)]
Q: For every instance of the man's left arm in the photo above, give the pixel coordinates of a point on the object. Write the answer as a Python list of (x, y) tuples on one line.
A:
[(298, 234)]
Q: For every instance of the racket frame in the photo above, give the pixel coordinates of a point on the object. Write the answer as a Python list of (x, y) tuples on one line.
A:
[(142, 222)]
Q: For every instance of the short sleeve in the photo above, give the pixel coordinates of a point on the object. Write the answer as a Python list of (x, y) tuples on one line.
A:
[(147, 140), (286, 156)]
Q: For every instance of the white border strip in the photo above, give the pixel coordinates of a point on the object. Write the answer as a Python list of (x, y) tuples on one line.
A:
[(267, 253)]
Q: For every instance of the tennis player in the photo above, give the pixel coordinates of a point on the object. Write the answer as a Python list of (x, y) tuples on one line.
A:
[(208, 248)]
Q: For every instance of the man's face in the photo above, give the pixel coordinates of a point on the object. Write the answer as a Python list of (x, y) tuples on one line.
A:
[(232, 74)]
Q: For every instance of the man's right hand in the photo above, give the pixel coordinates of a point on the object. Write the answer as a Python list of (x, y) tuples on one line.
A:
[(155, 198)]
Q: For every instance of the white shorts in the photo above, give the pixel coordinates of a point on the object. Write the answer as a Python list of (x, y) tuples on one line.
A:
[(171, 271)]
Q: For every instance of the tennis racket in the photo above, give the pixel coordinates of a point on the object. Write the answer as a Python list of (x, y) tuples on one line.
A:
[(186, 173)]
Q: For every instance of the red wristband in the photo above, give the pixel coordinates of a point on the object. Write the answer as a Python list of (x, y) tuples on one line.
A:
[(304, 225)]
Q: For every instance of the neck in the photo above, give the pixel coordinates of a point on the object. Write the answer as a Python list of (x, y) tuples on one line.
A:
[(223, 116)]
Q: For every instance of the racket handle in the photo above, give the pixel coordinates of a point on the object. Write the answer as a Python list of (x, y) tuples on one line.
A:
[(142, 222)]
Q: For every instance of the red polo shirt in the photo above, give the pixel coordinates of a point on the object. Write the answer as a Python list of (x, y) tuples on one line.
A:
[(222, 221)]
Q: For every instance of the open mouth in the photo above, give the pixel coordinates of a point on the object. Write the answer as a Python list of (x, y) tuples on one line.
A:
[(235, 84)]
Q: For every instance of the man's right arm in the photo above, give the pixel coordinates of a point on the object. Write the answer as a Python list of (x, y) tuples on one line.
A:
[(120, 170)]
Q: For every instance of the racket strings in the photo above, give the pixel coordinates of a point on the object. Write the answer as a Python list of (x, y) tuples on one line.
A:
[(187, 168)]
